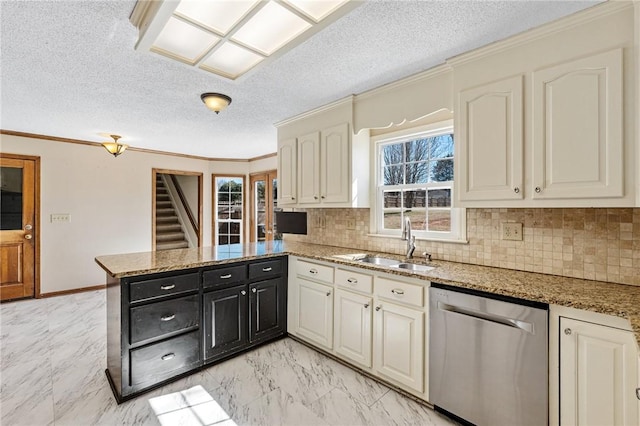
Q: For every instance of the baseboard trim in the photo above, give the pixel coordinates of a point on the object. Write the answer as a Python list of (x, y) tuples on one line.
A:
[(72, 291)]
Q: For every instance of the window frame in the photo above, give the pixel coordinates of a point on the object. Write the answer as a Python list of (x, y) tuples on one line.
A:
[(215, 220), (458, 232)]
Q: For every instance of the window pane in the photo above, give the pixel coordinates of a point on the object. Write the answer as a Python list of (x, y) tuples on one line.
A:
[(392, 154), (223, 228), (442, 170), (417, 172), (234, 239), (392, 219), (223, 210), (223, 239), (441, 146), (440, 198), (236, 211), (234, 228), (440, 220), (393, 175), (11, 202), (415, 208), (414, 199), (417, 150), (392, 199), (418, 217)]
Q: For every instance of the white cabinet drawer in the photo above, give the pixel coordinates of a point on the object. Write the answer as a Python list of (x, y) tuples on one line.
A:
[(398, 291), (314, 271), (354, 281)]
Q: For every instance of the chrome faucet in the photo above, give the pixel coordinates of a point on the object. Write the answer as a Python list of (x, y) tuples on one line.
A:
[(406, 236)]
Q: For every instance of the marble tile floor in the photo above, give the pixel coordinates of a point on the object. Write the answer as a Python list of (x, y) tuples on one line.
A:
[(53, 357)]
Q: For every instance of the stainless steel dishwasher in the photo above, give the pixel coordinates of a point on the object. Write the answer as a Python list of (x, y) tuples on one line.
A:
[(488, 358)]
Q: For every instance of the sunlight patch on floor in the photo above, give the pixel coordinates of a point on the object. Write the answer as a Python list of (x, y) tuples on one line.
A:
[(190, 407)]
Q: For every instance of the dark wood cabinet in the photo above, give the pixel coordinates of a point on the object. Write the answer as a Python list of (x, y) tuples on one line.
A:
[(163, 326)]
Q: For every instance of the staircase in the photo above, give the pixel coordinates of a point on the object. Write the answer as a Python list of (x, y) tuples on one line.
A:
[(169, 234)]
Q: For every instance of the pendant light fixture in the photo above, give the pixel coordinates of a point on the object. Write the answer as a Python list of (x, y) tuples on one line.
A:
[(114, 148), (216, 102)]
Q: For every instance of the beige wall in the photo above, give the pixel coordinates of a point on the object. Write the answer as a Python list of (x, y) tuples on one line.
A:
[(597, 244), (109, 200)]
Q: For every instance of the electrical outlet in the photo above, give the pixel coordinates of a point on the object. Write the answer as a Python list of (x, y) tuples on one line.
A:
[(512, 231), (60, 217), (351, 224)]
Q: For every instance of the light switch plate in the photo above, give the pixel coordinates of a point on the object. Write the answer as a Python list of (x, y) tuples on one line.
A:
[(512, 231), (351, 224), (60, 217)]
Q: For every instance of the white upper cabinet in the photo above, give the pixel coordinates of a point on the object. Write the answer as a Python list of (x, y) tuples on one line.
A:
[(309, 168), (287, 166), (577, 128), (489, 135), (335, 151)]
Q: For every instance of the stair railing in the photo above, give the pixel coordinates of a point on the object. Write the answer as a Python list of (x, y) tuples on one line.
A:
[(183, 210)]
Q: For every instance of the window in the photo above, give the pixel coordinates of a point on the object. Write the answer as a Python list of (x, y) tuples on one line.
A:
[(228, 205), (415, 180)]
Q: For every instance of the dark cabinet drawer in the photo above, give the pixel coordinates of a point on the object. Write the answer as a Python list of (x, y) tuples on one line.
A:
[(268, 268), (163, 318), (221, 277), (165, 286), (161, 360)]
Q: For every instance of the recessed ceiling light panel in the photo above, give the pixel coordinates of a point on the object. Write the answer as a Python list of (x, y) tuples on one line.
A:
[(184, 41), (316, 9), (271, 28), (219, 16), (231, 60)]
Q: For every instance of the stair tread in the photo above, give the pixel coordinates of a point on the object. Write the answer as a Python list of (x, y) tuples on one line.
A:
[(169, 246)]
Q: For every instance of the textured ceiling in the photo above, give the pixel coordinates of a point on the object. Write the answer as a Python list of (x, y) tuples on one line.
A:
[(69, 69)]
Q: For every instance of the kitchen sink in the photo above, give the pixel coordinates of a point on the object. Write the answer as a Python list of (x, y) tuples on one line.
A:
[(414, 267), (382, 261)]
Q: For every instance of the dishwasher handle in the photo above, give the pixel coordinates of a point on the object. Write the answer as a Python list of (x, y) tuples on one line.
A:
[(509, 322)]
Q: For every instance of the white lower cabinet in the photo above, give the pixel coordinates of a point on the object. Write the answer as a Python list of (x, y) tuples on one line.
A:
[(353, 316), (399, 344), (598, 375), (314, 316)]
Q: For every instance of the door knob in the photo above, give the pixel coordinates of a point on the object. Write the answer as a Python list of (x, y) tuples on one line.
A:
[(28, 236)]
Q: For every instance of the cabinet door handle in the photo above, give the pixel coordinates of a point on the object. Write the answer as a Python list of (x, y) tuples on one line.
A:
[(567, 331), (516, 190), (638, 393), (293, 198), (315, 197), (328, 293), (538, 189), (244, 293), (167, 357), (322, 197), (267, 269), (313, 271), (253, 290), (225, 277), (167, 287), (366, 305), (352, 281), (167, 317), (397, 291), (378, 307)]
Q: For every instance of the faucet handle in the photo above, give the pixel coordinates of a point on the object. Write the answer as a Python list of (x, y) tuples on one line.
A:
[(427, 256)]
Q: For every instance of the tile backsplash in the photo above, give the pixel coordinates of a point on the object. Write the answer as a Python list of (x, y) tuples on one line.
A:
[(591, 243)]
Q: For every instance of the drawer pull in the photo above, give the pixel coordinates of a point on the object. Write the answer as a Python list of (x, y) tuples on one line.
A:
[(225, 277), (397, 291), (254, 290), (267, 269), (167, 357), (168, 287), (244, 293), (352, 281), (167, 317), (313, 271)]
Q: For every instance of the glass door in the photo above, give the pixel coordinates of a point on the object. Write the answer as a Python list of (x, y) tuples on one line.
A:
[(264, 188)]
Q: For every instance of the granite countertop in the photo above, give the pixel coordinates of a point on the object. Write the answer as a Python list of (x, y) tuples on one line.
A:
[(606, 298)]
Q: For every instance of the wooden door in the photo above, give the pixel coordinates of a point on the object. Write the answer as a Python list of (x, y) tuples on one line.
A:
[(578, 141), (598, 375), (490, 138), (315, 313), (18, 220), (399, 344), (266, 309), (353, 314), (264, 196), (335, 155), (287, 171)]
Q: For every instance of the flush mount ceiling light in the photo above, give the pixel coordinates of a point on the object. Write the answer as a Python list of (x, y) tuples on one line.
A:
[(229, 38), (216, 102), (114, 148)]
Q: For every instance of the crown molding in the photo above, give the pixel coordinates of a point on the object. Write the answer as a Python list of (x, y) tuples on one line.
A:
[(545, 30), (340, 102), (144, 150), (422, 75)]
